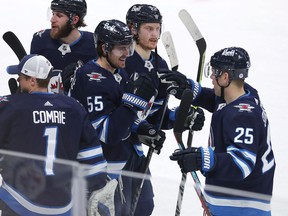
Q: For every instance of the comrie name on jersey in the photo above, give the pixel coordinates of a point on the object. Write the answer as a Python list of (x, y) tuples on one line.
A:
[(51, 116)]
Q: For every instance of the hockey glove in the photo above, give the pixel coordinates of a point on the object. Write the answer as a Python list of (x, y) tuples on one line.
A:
[(101, 202), (193, 159), (148, 135), (69, 73), (179, 83), (195, 120), (140, 94)]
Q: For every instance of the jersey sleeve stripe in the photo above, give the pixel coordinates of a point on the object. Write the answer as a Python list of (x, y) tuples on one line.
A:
[(245, 169), (90, 153), (95, 169), (246, 154)]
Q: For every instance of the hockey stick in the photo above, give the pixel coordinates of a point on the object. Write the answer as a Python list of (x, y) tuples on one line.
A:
[(14, 43), (201, 45), (170, 49)]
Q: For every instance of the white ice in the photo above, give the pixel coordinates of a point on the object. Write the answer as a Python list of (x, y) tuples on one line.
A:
[(259, 26)]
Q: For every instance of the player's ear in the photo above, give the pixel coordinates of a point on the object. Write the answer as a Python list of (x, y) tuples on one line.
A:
[(33, 81), (75, 20), (133, 30)]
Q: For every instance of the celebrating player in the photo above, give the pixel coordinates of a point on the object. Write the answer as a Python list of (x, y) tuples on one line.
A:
[(145, 22), (112, 100), (64, 43), (239, 155)]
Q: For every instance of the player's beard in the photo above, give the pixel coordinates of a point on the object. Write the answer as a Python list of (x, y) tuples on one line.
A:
[(61, 32)]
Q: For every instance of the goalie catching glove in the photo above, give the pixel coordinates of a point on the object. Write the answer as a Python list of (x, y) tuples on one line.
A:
[(179, 83), (193, 159), (101, 202)]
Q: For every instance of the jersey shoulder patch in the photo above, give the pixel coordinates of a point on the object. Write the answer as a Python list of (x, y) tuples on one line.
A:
[(244, 107)]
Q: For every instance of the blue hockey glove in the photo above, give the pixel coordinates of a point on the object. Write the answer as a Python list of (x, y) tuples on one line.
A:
[(193, 159), (195, 120), (140, 94), (148, 135), (69, 73), (179, 83)]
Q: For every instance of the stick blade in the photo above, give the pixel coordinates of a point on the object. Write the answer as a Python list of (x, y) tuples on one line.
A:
[(190, 25), (14, 43), (170, 49)]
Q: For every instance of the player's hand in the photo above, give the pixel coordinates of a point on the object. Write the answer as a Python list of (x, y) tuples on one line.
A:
[(148, 135), (195, 120), (193, 159), (179, 83), (140, 94)]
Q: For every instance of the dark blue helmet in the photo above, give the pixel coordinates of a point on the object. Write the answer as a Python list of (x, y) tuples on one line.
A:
[(234, 60), (112, 32), (143, 13), (78, 7)]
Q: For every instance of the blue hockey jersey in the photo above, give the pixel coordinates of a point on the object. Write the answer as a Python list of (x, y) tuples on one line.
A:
[(56, 127), (60, 54), (240, 136), (100, 92), (155, 63)]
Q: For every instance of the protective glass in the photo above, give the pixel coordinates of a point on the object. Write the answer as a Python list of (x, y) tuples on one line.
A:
[(123, 50), (209, 70)]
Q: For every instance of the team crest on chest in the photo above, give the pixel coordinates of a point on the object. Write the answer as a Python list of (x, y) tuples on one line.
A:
[(118, 77), (148, 65), (95, 76), (244, 107), (64, 49)]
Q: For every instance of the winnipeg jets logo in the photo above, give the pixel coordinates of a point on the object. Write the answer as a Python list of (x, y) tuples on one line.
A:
[(55, 84), (144, 113), (244, 107), (148, 65), (64, 49), (95, 76)]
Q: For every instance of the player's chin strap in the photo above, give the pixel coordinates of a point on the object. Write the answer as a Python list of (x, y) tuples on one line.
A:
[(223, 88)]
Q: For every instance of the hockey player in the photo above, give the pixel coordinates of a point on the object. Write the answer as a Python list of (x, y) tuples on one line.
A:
[(239, 155), (113, 101), (56, 127), (64, 43), (145, 22)]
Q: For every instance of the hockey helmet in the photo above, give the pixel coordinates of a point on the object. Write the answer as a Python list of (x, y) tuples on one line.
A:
[(143, 13), (113, 32), (234, 60), (78, 7)]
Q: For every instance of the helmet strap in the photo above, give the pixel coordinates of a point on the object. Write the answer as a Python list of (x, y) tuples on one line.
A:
[(222, 95)]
